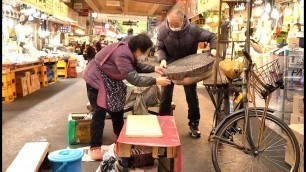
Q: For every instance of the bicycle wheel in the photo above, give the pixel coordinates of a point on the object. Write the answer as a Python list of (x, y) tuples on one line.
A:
[(271, 152)]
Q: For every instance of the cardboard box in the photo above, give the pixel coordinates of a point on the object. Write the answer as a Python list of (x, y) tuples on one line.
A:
[(298, 104), (296, 119), (298, 130), (293, 43), (78, 128)]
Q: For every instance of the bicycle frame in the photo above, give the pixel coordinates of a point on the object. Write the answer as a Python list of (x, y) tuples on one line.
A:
[(246, 127)]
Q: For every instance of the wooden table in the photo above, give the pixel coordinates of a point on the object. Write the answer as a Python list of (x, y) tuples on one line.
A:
[(169, 143)]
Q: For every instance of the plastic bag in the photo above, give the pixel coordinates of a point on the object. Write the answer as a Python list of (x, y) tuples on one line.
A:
[(109, 159), (232, 69), (142, 97)]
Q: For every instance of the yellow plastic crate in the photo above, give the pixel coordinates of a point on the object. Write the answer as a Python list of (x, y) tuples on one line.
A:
[(6, 80), (61, 72), (61, 64), (8, 94)]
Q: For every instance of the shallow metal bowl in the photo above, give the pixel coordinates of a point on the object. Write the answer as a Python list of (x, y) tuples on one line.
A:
[(192, 66)]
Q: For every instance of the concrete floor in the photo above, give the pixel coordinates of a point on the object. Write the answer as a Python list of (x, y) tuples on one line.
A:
[(42, 116)]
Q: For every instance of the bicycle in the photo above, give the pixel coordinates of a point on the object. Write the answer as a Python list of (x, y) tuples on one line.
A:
[(254, 139)]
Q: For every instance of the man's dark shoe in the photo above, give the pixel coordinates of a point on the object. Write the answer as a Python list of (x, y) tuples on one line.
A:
[(194, 129)]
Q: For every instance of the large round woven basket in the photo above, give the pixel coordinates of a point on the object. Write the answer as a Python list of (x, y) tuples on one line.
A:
[(196, 65)]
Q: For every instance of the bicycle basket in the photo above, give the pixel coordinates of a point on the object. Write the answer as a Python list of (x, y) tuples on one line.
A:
[(267, 78)]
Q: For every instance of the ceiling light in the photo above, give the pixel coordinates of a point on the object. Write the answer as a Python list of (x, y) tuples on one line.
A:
[(242, 7), (237, 7), (94, 15), (258, 2), (107, 26)]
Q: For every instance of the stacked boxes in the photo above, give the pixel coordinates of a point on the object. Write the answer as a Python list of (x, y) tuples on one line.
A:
[(23, 81), (35, 84), (54, 68), (8, 87), (298, 130), (71, 70), (27, 83), (61, 69), (297, 115), (43, 79)]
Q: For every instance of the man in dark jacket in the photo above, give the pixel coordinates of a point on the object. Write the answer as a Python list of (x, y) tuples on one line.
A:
[(129, 35), (177, 38)]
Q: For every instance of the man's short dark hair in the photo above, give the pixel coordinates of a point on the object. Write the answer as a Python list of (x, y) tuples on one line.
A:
[(130, 31), (140, 41)]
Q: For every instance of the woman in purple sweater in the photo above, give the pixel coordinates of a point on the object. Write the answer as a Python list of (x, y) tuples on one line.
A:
[(110, 66)]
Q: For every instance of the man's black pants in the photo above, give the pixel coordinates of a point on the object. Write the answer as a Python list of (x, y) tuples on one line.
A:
[(97, 124), (191, 98)]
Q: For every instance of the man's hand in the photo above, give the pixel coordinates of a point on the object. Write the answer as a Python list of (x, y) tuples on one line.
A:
[(213, 52), (159, 70), (163, 81), (163, 64)]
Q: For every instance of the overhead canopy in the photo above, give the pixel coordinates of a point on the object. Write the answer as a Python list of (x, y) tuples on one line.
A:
[(131, 7)]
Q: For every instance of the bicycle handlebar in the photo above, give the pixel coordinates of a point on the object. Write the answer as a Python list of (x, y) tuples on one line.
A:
[(247, 55)]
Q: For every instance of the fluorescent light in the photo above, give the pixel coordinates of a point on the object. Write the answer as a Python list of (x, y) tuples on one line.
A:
[(275, 13), (258, 2), (107, 26), (237, 7), (215, 19), (94, 15), (268, 8)]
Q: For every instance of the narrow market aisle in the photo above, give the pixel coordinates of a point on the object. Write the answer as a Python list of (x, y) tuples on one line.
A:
[(43, 116)]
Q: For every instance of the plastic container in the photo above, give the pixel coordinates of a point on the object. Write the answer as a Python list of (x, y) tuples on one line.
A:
[(66, 160)]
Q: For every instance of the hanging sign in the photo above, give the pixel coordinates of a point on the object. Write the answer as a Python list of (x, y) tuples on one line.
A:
[(122, 17), (42, 5), (60, 9), (84, 12), (78, 6), (65, 29)]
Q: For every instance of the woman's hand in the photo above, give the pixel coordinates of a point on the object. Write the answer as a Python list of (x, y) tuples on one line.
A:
[(163, 81), (159, 70)]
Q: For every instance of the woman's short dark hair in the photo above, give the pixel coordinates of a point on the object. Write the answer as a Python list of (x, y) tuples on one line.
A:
[(140, 41)]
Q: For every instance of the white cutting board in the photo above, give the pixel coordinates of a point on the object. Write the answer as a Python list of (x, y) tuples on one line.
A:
[(143, 126)]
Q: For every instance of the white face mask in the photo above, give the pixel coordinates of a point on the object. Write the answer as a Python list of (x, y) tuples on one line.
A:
[(175, 29), (142, 58)]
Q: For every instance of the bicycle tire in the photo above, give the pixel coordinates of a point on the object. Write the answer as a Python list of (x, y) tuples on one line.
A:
[(240, 116)]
